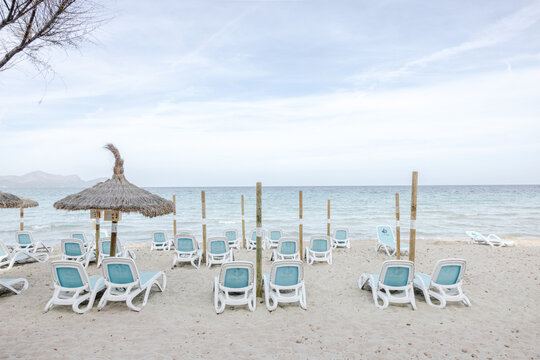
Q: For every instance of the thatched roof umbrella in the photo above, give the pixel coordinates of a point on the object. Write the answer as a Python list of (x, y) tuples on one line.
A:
[(116, 194), (13, 201)]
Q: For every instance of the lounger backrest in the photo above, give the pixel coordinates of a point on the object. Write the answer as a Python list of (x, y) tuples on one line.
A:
[(72, 247), (69, 274), (184, 232), (103, 234), (4, 252), (288, 246), (159, 237), (396, 273), (236, 274), (122, 271), (385, 235), (341, 234), (186, 243), (218, 245), (24, 238), (231, 235), (79, 235), (448, 271), (275, 234), (320, 243), (105, 246), (287, 273)]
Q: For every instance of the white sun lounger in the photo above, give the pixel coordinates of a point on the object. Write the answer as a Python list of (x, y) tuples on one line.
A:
[(444, 284), (160, 241), (287, 249), (25, 241), (320, 249), (252, 240), (492, 239), (187, 250), (394, 284), (218, 251), (285, 284), (72, 286), (341, 238), (124, 282), (235, 286), (105, 250), (233, 239), (10, 258), (73, 249), (12, 284), (387, 242), (89, 245), (272, 238)]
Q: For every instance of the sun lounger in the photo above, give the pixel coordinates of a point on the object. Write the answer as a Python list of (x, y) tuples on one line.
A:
[(124, 282), (73, 286), (285, 284), (394, 284), (444, 284)]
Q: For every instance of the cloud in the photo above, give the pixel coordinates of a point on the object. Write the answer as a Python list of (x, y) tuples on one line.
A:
[(449, 131), (499, 32)]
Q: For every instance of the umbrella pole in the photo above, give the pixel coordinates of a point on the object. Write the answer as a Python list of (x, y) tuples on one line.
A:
[(98, 225), (203, 201), (21, 221), (114, 227), (328, 219), (301, 224), (243, 225), (259, 239), (398, 230), (414, 195)]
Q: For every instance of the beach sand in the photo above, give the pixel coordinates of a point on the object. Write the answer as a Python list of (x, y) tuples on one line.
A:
[(341, 321)]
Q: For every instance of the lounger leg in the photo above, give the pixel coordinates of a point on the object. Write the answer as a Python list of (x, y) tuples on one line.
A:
[(303, 302)]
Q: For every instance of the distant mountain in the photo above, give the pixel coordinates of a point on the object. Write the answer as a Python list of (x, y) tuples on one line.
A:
[(40, 179)]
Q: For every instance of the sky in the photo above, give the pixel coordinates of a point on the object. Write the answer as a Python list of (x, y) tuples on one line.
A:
[(228, 93)]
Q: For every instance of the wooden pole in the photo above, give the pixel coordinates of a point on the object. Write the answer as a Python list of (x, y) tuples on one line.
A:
[(398, 230), (174, 217), (114, 227), (203, 200), (243, 225), (414, 195), (259, 239), (98, 225), (328, 220), (21, 221), (301, 225)]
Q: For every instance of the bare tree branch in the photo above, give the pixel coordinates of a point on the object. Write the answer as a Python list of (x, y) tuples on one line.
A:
[(28, 26)]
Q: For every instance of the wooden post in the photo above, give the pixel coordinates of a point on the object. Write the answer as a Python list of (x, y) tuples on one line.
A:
[(203, 200), (398, 230), (114, 228), (174, 217), (259, 239), (301, 225), (243, 225), (414, 195), (328, 220), (98, 225), (21, 221)]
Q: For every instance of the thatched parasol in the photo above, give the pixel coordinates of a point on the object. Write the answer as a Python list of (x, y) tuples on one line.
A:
[(13, 201), (116, 194)]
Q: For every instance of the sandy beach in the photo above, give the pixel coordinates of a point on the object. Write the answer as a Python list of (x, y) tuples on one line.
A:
[(341, 321)]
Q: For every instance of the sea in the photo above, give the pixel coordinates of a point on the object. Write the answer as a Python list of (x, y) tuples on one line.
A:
[(443, 212)]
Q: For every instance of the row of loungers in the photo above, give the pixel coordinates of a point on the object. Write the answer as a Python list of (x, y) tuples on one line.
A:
[(123, 282), (270, 238)]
